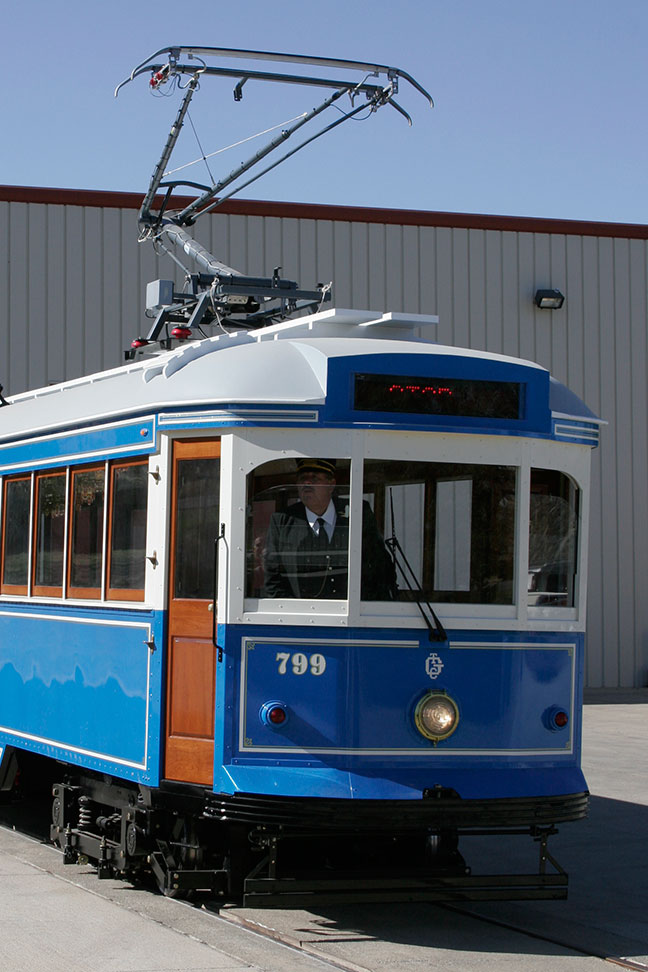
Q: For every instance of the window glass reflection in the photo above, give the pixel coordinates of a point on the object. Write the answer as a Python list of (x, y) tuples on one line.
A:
[(455, 524), (50, 532), (553, 539), (87, 531), (15, 560), (197, 525), (297, 542), (128, 530)]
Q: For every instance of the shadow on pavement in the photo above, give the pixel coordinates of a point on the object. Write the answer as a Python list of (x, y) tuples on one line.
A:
[(605, 913)]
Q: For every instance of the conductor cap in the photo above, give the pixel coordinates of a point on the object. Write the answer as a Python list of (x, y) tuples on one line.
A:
[(316, 465)]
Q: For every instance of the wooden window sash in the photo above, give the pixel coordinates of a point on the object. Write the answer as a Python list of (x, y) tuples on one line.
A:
[(119, 593), (75, 591), (15, 589), (46, 590)]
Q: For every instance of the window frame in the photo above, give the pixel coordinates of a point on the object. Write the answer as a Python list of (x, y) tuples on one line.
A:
[(89, 593), (576, 507), (245, 453), (120, 593), (21, 590), (48, 590)]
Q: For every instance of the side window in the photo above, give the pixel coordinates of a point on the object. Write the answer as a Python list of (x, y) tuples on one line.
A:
[(453, 524), (289, 553), (104, 540), (49, 530), (15, 535), (86, 532), (553, 539), (127, 531), (196, 524)]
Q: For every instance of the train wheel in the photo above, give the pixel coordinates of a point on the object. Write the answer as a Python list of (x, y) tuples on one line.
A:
[(180, 853)]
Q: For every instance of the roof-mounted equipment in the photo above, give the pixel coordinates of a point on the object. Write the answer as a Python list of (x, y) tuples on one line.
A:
[(217, 294)]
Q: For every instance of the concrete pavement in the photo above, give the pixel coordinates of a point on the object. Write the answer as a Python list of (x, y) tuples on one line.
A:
[(62, 919)]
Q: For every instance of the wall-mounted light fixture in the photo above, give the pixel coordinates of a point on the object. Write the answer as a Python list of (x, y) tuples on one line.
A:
[(549, 299)]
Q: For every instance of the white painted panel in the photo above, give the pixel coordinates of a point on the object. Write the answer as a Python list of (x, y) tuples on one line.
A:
[(542, 319), (427, 270), (558, 321), (36, 317), (394, 268), (638, 311), (377, 262), (477, 284), (308, 269), (243, 236), (290, 246), (360, 295), (324, 251), (460, 282), (272, 246), (411, 284), (343, 264), (5, 306), (510, 294), (18, 377), (54, 306), (444, 273), (493, 296)]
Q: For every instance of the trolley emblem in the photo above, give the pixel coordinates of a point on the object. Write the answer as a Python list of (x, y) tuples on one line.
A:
[(433, 665)]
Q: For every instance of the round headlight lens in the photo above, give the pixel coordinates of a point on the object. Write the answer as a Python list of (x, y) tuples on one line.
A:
[(436, 716)]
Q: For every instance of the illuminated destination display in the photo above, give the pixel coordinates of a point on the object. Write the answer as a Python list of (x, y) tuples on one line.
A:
[(437, 396)]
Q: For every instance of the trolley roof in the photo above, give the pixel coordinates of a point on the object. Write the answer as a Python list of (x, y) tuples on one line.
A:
[(283, 364)]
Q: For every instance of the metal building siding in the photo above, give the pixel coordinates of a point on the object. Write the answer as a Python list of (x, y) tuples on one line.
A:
[(75, 275)]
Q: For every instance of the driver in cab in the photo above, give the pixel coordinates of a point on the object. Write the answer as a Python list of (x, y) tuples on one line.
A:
[(307, 546)]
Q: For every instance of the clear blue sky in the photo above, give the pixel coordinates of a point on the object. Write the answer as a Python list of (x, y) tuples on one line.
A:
[(540, 104)]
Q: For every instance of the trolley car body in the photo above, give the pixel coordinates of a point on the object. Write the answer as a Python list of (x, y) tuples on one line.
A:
[(140, 652)]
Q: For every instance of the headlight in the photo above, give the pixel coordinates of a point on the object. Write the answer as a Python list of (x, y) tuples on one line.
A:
[(436, 716)]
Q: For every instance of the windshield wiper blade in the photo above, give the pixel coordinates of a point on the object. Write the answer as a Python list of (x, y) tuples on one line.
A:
[(436, 630)]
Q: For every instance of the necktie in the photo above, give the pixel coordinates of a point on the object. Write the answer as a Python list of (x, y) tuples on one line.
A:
[(322, 535)]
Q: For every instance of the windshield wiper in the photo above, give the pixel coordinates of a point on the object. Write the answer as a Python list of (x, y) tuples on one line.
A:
[(435, 629)]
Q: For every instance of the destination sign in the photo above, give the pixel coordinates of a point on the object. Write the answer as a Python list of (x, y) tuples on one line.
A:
[(469, 397)]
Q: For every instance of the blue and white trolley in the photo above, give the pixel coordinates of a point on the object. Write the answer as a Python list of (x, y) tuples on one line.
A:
[(196, 722)]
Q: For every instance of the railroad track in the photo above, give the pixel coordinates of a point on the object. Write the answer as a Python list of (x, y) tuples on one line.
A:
[(293, 941), (32, 827)]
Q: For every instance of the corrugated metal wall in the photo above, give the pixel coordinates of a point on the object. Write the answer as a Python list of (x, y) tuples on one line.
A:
[(72, 282)]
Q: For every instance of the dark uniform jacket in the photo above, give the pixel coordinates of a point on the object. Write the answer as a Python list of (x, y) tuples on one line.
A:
[(298, 563)]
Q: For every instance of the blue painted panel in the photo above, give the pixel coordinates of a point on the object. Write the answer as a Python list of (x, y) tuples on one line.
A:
[(364, 700), (471, 783), (535, 413), (503, 682), (82, 685), (74, 447)]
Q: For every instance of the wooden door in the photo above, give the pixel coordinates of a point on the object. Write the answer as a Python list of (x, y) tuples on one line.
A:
[(191, 672)]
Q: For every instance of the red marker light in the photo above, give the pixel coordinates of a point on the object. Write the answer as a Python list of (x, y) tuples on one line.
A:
[(139, 343), (273, 713), (555, 718), (181, 332)]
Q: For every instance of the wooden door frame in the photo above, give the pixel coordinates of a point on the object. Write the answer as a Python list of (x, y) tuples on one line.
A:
[(184, 449)]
